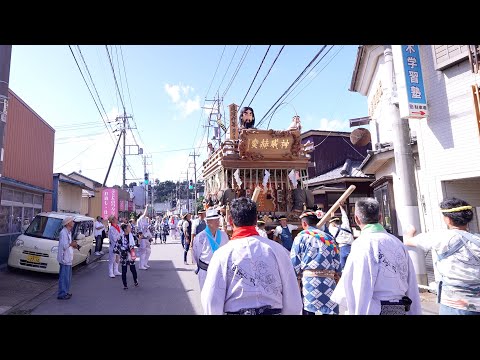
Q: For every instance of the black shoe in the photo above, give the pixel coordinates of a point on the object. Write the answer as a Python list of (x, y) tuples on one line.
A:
[(125, 288), (65, 297), (136, 283), (69, 294)]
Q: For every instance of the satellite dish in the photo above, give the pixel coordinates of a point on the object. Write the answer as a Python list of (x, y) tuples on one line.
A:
[(360, 137)]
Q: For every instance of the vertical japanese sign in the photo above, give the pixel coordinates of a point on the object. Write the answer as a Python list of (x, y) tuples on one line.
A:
[(109, 203), (233, 121), (417, 101)]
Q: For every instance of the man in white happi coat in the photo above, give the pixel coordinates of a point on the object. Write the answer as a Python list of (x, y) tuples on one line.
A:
[(250, 275), (378, 278), (207, 242), (114, 233)]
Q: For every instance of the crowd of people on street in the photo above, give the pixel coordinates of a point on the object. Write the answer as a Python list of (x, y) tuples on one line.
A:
[(319, 271)]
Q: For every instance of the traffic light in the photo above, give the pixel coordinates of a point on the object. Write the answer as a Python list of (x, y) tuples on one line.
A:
[(149, 190), (146, 179), (190, 186)]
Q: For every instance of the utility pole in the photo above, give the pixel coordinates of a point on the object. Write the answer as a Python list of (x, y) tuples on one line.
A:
[(404, 164), (215, 120), (111, 161), (5, 59), (124, 148), (195, 179), (145, 159), (188, 194)]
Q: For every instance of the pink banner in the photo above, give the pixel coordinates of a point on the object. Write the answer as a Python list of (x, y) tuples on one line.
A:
[(121, 205), (130, 206), (109, 203)]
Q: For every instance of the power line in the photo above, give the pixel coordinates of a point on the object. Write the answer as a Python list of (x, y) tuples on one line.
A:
[(221, 82), (119, 72), (131, 104), (114, 77), (93, 83), (213, 78), (78, 65), (294, 82), (242, 59), (266, 75), (204, 101), (261, 64), (80, 153), (299, 82), (313, 77)]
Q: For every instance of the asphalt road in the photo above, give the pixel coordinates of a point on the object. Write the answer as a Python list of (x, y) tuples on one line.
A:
[(168, 287)]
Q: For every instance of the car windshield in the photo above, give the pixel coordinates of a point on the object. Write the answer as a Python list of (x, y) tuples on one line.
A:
[(45, 227)]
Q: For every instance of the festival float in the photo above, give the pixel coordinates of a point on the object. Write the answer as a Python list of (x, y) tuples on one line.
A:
[(269, 166)]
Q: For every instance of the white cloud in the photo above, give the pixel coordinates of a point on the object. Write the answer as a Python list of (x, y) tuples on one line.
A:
[(334, 125), (183, 98), (173, 91), (190, 105), (187, 89)]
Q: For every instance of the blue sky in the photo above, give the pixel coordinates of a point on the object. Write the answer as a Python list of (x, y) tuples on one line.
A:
[(164, 88)]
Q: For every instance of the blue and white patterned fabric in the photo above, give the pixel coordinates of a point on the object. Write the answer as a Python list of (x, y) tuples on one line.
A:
[(309, 252)]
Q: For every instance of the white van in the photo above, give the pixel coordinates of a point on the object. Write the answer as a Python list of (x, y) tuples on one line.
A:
[(36, 249)]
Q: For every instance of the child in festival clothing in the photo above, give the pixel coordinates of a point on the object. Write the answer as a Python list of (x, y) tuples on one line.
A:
[(123, 249)]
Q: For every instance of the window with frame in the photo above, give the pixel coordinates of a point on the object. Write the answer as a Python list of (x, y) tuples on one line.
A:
[(17, 206), (445, 56), (383, 192)]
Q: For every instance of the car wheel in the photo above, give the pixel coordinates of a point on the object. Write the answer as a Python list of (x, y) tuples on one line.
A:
[(88, 260)]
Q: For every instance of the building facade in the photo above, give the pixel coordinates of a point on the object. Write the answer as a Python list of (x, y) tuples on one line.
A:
[(445, 145), (89, 205), (26, 183), (333, 168), (67, 194)]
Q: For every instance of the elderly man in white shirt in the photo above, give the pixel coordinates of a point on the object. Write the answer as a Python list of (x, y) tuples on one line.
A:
[(97, 233), (250, 275), (379, 278), (65, 258), (207, 242)]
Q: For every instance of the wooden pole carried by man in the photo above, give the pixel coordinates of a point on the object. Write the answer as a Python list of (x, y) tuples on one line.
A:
[(335, 206)]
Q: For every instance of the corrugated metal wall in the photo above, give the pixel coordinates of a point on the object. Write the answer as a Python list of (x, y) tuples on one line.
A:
[(29, 145)]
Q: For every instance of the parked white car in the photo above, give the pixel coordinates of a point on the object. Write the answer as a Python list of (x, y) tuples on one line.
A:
[(36, 249)]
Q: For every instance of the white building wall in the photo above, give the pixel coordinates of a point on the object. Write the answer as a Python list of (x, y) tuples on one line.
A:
[(449, 141), (69, 198)]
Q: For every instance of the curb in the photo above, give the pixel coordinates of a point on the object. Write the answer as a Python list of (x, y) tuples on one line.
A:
[(25, 307)]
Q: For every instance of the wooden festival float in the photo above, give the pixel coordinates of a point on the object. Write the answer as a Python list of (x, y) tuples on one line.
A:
[(269, 166)]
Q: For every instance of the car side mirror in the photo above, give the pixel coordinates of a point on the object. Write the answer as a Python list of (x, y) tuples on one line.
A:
[(80, 237)]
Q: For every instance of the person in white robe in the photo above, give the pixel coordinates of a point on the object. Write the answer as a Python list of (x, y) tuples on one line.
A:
[(250, 275), (456, 255), (144, 251), (207, 242), (379, 277), (114, 233), (342, 234), (261, 229)]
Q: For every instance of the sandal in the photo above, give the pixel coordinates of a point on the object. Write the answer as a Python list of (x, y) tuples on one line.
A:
[(136, 283)]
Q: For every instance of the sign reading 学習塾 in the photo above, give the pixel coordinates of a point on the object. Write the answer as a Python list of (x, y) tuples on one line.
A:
[(417, 101)]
